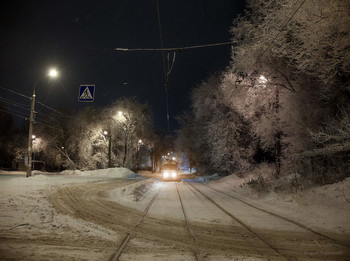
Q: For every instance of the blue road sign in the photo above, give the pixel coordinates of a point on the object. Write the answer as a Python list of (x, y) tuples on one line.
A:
[(86, 93)]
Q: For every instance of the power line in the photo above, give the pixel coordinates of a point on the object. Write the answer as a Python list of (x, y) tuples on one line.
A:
[(160, 36), (43, 122), (13, 114), (14, 103), (47, 107), (25, 96), (42, 104), (47, 125), (166, 72), (46, 121), (172, 48), (22, 107), (10, 109)]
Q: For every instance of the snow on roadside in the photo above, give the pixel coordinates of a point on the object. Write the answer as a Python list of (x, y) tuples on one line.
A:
[(135, 195), (26, 211), (122, 173), (323, 208)]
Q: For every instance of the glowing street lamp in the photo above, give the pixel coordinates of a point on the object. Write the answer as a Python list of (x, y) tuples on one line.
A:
[(109, 136), (52, 73), (262, 80)]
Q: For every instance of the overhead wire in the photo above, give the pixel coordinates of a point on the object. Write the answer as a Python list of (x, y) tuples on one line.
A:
[(47, 107), (160, 36), (38, 102), (47, 125), (22, 115), (25, 96), (166, 72), (172, 48), (39, 120), (36, 112), (10, 109), (6, 111), (14, 103)]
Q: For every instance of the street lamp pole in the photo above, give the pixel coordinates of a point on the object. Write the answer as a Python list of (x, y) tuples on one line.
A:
[(52, 73), (30, 138), (110, 148)]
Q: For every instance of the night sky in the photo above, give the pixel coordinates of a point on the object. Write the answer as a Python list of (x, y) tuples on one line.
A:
[(77, 37)]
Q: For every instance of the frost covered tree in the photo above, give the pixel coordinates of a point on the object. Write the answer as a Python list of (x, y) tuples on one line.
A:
[(309, 36), (186, 138), (289, 77), (278, 118), (51, 132), (298, 51), (117, 135), (218, 135), (86, 144), (131, 127)]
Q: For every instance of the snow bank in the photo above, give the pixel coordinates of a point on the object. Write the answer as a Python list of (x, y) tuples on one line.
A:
[(204, 179), (323, 208), (122, 173), (135, 195)]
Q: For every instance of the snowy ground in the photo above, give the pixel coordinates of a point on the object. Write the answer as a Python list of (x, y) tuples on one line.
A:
[(324, 208), (85, 215), (32, 229)]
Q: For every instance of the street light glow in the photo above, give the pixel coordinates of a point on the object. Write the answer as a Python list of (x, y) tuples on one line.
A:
[(262, 79), (53, 73)]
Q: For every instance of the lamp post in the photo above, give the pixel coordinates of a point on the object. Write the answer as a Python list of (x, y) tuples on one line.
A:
[(52, 73), (124, 118), (108, 134), (33, 146), (263, 81)]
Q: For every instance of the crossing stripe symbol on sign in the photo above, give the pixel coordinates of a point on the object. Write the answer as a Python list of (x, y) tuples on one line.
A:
[(86, 93)]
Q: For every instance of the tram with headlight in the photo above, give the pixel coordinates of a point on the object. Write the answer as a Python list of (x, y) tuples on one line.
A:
[(169, 169)]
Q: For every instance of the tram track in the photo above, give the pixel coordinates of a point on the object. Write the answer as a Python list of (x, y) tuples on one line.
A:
[(151, 230), (91, 203), (286, 257), (280, 250), (221, 237), (189, 229), (128, 235), (281, 217)]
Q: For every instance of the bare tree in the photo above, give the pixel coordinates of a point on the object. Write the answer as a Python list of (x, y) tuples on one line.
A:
[(132, 128)]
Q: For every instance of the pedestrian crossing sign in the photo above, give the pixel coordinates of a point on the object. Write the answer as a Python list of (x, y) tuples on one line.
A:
[(86, 93)]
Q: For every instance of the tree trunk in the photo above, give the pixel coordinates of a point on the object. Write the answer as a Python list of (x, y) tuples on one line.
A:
[(278, 137), (125, 148)]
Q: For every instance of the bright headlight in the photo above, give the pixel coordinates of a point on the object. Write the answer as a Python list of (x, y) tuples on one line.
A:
[(173, 174), (165, 174)]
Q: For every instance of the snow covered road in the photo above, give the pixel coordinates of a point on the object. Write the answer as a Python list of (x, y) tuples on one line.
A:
[(87, 218)]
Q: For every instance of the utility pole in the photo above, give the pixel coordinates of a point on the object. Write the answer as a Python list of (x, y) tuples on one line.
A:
[(52, 73), (110, 148), (30, 138), (167, 104), (278, 135)]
